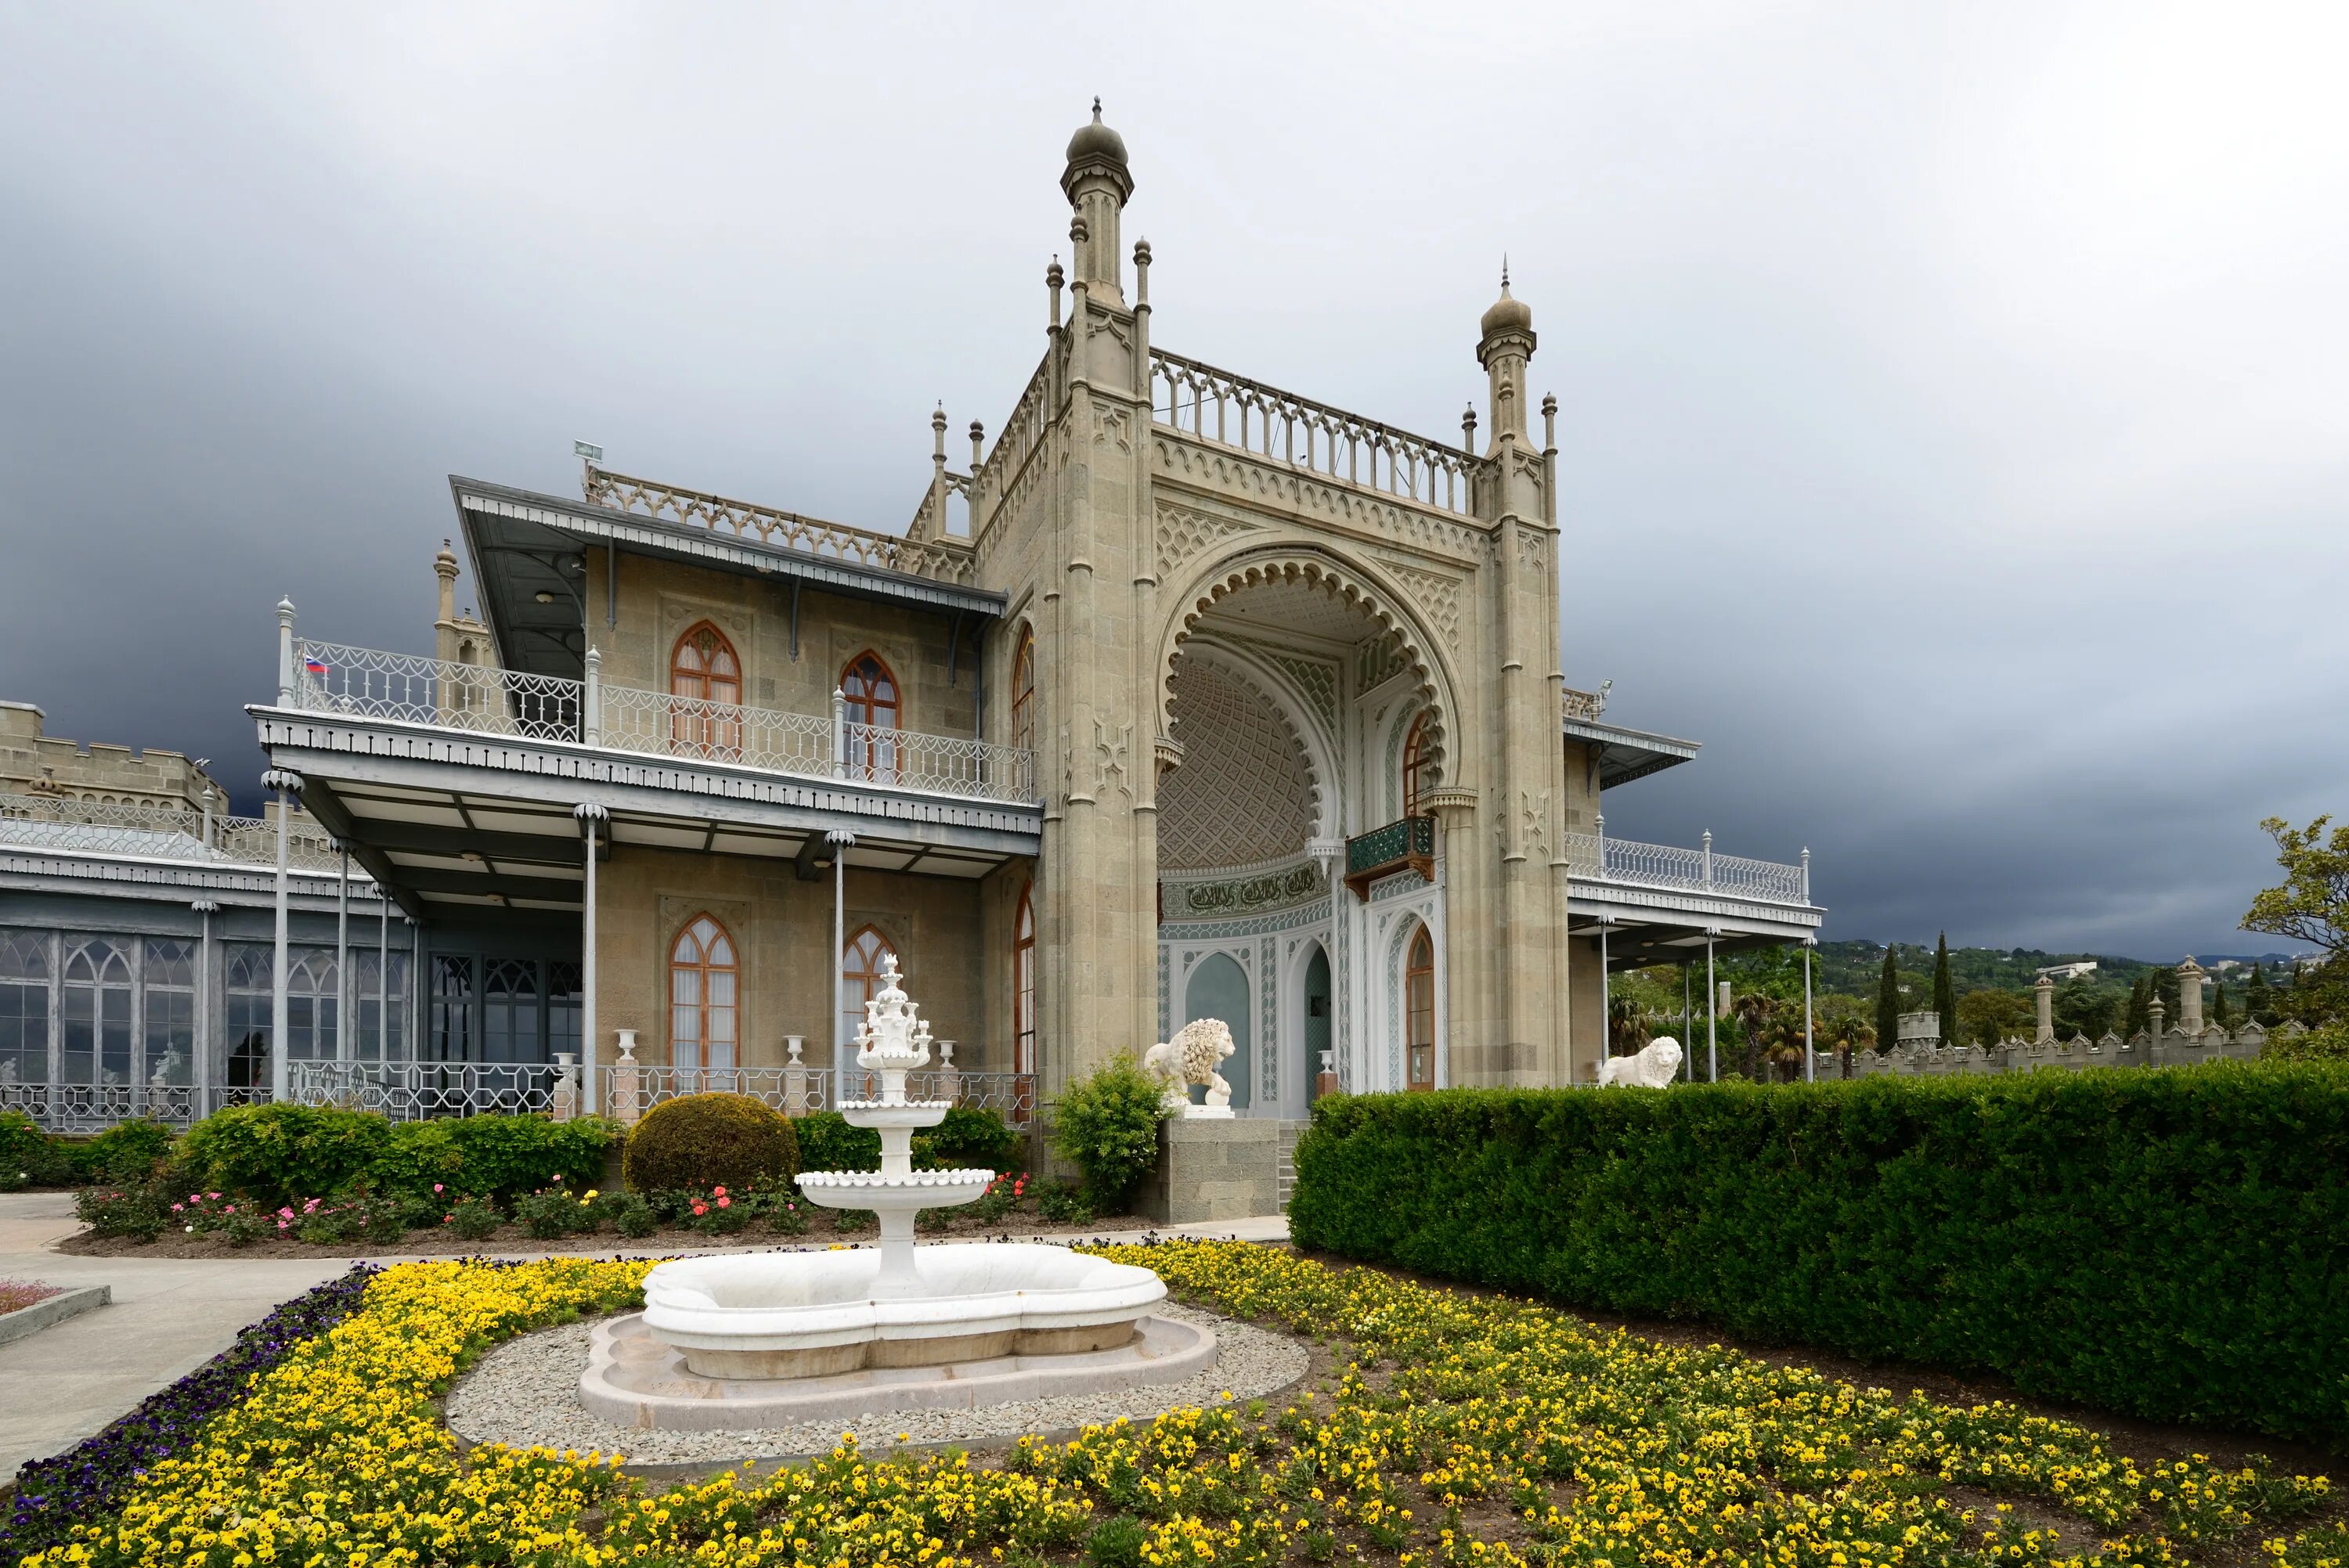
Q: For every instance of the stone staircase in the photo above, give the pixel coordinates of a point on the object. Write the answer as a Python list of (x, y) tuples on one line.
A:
[(1289, 1132)]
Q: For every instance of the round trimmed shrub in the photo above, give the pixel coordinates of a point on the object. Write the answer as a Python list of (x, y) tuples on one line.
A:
[(703, 1141)]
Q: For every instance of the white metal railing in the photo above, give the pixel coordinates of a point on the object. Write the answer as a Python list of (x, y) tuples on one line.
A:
[(1597, 859), (1217, 405), (948, 560), (334, 678), (664, 725), (165, 832), (413, 1091), (331, 678), (95, 1107)]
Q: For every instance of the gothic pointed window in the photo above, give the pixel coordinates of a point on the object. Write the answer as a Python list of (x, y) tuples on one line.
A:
[(1023, 693), (873, 710), (1417, 767), (97, 1014), (703, 985), (705, 677), (1418, 1010), (860, 978), (1023, 984)]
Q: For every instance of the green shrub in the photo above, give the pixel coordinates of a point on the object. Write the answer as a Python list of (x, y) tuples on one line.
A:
[(551, 1211), (279, 1154), (1063, 1205), (1107, 1126), (2325, 1043), (505, 1156), (826, 1142), (137, 1211), (475, 1218), (127, 1152), (24, 1146), (971, 1137), (627, 1213), (703, 1141), (2167, 1243), (1117, 1542)]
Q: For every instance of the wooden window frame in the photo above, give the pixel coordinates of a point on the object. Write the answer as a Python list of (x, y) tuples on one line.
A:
[(703, 1006), (1418, 1008), (1414, 765), (696, 727)]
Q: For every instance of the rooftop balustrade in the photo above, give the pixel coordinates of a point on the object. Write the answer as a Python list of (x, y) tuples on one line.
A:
[(1593, 857), (1217, 406), (156, 832), (369, 682)]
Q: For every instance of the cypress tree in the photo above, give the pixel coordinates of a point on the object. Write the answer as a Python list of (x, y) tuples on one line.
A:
[(2139, 1017), (1945, 996), (2164, 988), (2256, 1004), (2218, 1014), (1888, 1001)]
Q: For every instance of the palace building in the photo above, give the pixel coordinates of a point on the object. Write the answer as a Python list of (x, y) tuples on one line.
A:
[(1184, 697)]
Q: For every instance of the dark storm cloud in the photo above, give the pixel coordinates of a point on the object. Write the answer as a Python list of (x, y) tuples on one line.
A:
[(1954, 403)]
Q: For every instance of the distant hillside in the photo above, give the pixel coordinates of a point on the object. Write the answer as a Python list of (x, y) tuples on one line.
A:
[(1854, 966)]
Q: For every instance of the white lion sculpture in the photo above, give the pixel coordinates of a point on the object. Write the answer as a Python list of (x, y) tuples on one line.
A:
[(1192, 1056), (1652, 1068)]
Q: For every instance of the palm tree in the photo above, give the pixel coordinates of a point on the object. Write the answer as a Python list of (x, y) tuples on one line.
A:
[(1627, 1027), (1847, 1034), (1755, 1013)]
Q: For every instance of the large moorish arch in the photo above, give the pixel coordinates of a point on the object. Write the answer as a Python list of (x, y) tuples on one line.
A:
[(1349, 581)]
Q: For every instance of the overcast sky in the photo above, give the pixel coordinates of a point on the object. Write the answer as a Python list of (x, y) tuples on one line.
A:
[(1954, 402)]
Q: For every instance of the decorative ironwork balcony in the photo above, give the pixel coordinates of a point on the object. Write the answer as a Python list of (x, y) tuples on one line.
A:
[(329, 677), (1408, 844), (1591, 858)]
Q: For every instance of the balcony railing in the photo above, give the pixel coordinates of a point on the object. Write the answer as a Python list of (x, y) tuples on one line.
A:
[(415, 1091), (160, 832), (1407, 844), (1217, 405), (330, 677), (947, 560), (1596, 859)]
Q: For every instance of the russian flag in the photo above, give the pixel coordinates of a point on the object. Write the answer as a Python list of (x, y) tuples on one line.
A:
[(314, 664)]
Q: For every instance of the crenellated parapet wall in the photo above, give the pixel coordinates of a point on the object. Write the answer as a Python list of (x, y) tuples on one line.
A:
[(2172, 1047)]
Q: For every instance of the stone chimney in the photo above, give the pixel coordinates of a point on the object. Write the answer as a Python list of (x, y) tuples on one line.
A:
[(2189, 995), (2045, 994)]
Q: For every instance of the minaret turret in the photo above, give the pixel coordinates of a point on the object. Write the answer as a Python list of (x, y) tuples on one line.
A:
[(1097, 183), (1504, 345)]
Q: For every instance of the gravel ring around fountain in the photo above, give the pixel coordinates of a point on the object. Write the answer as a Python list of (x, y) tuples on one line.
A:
[(525, 1393)]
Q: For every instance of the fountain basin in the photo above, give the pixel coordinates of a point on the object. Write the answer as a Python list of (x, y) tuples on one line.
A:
[(813, 1315), (885, 1193)]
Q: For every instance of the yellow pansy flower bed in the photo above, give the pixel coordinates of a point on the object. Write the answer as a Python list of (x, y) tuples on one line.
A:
[(1468, 1432)]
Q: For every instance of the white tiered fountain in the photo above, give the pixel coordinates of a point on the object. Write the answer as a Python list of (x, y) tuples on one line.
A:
[(749, 1340)]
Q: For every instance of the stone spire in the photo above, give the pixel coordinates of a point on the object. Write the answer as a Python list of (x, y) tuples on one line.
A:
[(1506, 342), (444, 566), (1097, 183)]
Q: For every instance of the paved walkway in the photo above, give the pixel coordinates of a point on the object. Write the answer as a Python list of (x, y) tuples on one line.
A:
[(171, 1315)]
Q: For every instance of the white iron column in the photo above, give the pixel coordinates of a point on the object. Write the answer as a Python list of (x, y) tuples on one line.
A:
[(1711, 1012), (1688, 1017), (382, 977), (200, 1071), (343, 993), (841, 842), (589, 815), (1329, 854), (287, 784), (285, 653), (1810, 1060), (1606, 1002)]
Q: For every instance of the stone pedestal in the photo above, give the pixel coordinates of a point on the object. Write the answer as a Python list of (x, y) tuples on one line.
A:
[(1213, 1170)]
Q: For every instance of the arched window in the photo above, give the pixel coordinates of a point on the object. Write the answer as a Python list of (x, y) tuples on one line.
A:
[(313, 1001), (98, 1015), (1418, 772), (1023, 984), (860, 978), (706, 678), (23, 1009), (873, 707), (1418, 1010), (249, 1019), (1023, 693), (702, 980)]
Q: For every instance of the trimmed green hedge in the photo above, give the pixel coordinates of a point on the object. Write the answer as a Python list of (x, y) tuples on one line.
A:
[(285, 1153), (2167, 1244), (969, 1138)]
